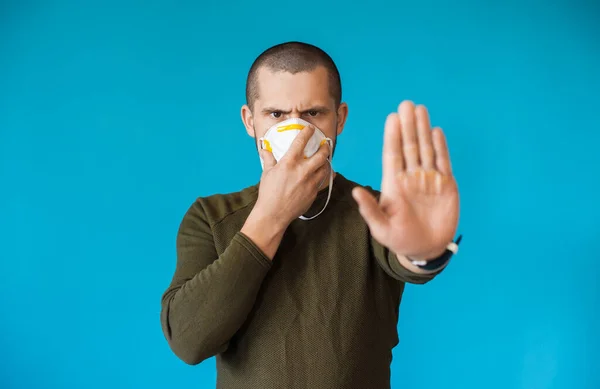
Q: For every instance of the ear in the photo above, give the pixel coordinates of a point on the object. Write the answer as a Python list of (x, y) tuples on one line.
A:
[(248, 120), (342, 114)]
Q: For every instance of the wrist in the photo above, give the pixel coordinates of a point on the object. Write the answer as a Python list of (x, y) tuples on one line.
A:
[(428, 256), (267, 221), (436, 262), (265, 231)]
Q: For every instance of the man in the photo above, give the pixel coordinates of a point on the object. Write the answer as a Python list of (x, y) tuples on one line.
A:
[(285, 300)]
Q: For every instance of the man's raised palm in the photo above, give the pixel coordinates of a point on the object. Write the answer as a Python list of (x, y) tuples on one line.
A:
[(417, 212)]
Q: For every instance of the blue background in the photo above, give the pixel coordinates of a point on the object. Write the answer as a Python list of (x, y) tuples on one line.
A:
[(115, 116)]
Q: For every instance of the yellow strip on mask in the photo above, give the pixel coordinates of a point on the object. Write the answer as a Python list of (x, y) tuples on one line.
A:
[(267, 145), (290, 127)]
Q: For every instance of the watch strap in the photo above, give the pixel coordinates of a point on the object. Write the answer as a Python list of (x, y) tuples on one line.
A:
[(442, 260)]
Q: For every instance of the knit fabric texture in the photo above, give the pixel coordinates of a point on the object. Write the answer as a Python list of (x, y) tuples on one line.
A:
[(322, 315)]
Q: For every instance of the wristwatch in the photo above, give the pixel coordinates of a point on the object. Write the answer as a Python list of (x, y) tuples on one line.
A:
[(440, 261)]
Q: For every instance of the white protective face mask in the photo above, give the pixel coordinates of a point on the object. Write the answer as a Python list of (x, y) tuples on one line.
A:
[(280, 137)]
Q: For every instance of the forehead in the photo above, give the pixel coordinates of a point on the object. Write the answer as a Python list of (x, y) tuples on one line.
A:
[(287, 91)]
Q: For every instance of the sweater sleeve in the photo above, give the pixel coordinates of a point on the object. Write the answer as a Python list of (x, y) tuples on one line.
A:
[(391, 265), (210, 295)]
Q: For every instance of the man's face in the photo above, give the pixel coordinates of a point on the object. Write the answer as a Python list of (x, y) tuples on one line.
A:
[(305, 95)]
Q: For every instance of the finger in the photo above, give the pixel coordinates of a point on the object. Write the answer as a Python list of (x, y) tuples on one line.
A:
[(442, 155), (371, 212), (299, 143), (393, 158), (320, 177), (318, 159), (426, 151), (409, 135), (268, 159)]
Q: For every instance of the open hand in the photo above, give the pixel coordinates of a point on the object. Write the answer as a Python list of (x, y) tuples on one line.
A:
[(417, 213)]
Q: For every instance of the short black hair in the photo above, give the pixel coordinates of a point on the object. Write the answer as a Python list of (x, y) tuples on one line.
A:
[(293, 57)]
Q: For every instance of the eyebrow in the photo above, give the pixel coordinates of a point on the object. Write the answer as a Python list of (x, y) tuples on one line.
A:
[(318, 108)]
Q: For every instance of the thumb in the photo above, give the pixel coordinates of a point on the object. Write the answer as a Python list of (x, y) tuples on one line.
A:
[(268, 159), (370, 211)]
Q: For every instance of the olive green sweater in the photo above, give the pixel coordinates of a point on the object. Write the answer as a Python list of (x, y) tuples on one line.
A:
[(322, 315)]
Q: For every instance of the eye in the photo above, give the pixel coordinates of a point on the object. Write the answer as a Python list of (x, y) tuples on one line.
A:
[(276, 114), (313, 113)]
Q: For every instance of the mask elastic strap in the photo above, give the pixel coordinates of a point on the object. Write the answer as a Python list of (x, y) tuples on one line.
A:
[(330, 187)]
